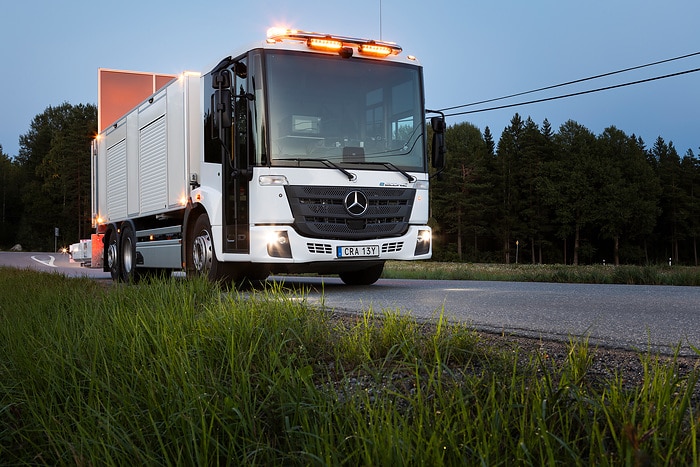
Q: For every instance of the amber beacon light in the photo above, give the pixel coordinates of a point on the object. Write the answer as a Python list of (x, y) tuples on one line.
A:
[(330, 43)]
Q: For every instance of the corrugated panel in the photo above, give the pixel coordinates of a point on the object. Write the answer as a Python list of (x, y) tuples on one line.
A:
[(116, 181), (153, 186)]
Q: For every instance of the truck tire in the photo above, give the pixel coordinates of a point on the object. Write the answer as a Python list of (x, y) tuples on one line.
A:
[(201, 258), (129, 273), (365, 276), (112, 255)]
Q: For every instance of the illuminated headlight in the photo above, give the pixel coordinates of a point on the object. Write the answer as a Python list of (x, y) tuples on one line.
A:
[(423, 243), (278, 245)]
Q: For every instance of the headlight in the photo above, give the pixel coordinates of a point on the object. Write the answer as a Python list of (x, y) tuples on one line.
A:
[(423, 242), (278, 245)]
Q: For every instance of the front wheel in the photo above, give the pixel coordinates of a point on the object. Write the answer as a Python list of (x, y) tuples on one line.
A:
[(201, 258), (365, 276)]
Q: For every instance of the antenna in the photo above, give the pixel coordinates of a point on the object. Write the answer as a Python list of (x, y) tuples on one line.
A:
[(380, 20)]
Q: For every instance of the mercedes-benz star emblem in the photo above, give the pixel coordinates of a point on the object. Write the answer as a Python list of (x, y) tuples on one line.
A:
[(356, 203)]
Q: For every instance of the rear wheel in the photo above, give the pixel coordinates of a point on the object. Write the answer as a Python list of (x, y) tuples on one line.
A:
[(112, 256), (365, 276), (128, 255)]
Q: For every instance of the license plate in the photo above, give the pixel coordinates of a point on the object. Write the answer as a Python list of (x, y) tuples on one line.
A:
[(357, 251)]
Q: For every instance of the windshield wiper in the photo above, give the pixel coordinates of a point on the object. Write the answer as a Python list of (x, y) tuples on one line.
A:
[(389, 166), (351, 176)]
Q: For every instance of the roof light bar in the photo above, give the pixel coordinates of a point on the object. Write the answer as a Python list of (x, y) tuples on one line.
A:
[(375, 50), (332, 43)]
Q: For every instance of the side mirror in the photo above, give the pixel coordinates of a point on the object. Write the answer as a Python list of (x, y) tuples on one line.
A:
[(438, 124), (439, 149), (222, 107), (221, 82)]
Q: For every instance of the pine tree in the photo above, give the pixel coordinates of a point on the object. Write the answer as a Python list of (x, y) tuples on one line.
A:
[(572, 187), (488, 139), (544, 216), (505, 168), (672, 221), (11, 184), (690, 173), (458, 202), (629, 190), (55, 158), (534, 214)]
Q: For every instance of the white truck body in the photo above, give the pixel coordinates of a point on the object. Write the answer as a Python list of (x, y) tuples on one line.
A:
[(147, 154), (243, 171)]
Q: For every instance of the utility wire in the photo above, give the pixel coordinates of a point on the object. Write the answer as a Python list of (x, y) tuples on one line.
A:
[(624, 70), (571, 94)]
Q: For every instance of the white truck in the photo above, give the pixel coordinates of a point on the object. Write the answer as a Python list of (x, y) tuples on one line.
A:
[(305, 153)]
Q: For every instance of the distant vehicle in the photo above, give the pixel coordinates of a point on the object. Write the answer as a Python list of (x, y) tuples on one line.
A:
[(305, 153)]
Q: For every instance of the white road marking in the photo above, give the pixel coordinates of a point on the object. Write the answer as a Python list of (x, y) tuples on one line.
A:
[(45, 262)]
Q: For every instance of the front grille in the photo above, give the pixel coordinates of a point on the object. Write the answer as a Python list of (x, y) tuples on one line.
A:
[(319, 211), (392, 247), (322, 248)]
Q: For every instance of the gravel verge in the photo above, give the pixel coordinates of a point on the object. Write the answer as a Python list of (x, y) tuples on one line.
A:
[(607, 362)]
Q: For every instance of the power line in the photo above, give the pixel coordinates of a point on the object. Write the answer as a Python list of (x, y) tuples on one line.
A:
[(572, 94), (624, 70)]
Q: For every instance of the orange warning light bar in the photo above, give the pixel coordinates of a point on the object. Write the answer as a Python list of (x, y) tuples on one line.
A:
[(330, 43), (375, 50)]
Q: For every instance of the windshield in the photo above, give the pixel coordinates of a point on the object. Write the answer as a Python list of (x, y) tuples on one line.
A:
[(346, 111)]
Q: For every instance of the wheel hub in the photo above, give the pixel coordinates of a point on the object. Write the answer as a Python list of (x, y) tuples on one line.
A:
[(202, 253), (112, 255)]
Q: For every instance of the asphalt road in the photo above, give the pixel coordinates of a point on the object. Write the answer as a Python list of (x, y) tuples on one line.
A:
[(622, 316), (49, 262)]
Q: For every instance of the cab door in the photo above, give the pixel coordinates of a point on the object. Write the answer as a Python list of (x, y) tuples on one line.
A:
[(235, 166)]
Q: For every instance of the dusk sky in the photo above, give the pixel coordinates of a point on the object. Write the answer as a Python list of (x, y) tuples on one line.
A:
[(470, 51)]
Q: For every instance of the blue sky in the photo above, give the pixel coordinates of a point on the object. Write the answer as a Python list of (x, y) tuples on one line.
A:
[(470, 51)]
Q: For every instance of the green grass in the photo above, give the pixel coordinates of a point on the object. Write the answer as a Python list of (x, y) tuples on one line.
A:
[(178, 373), (596, 274)]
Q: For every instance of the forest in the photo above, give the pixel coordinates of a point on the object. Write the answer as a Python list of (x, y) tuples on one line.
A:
[(570, 196), (535, 196)]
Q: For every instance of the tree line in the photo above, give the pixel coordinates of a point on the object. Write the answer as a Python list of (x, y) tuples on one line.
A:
[(570, 196), (535, 196), (47, 186)]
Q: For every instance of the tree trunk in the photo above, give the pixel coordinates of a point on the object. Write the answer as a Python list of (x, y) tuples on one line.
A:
[(577, 241), (675, 251), (617, 250), (646, 252), (459, 233)]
